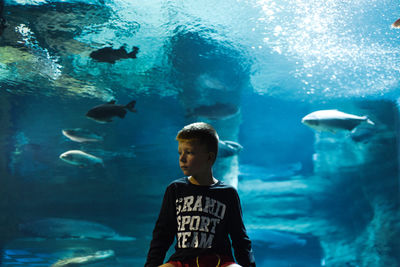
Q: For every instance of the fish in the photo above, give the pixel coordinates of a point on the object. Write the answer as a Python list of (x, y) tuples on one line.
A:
[(396, 24), (333, 120), (65, 228), (105, 112), (228, 148), (81, 135), (218, 111), (110, 55), (88, 259), (81, 159)]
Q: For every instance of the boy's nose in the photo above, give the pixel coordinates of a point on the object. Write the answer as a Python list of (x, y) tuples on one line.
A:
[(182, 158)]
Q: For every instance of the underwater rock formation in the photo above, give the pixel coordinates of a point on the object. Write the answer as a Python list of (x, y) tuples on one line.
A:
[(363, 194), (212, 78), (45, 53), (350, 203)]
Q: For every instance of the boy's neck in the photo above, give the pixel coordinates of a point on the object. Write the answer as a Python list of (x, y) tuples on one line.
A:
[(208, 180)]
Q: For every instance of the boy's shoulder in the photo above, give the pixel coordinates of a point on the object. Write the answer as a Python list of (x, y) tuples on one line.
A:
[(179, 181), (184, 181)]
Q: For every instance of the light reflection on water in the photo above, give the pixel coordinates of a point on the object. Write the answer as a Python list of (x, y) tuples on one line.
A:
[(316, 49), (336, 48)]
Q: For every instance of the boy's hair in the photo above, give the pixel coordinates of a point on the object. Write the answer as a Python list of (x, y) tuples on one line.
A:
[(202, 132)]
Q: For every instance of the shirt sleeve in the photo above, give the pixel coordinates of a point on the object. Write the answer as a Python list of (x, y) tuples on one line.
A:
[(240, 241), (164, 230)]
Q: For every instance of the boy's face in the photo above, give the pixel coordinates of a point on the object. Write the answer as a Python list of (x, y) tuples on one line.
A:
[(194, 159)]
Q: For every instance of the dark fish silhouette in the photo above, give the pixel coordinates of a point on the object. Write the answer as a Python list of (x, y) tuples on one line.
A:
[(104, 113), (110, 55)]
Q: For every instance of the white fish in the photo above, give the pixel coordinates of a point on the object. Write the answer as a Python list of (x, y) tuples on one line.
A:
[(333, 120), (81, 135), (228, 148), (88, 259), (80, 158)]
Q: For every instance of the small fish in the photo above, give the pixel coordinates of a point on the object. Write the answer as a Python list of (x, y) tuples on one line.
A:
[(88, 259), (105, 112), (217, 111), (80, 158), (81, 135), (228, 148), (110, 55), (396, 24), (333, 120)]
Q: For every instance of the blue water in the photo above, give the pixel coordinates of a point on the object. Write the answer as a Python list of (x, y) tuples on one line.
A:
[(309, 198)]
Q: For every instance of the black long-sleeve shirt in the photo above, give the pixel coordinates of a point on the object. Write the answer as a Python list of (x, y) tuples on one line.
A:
[(202, 218)]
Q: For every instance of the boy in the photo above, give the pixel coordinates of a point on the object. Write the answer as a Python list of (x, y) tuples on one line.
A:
[(200, 211)]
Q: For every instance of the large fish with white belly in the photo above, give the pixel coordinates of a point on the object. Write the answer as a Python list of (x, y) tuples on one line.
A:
[(81, 159), (333, 120)]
